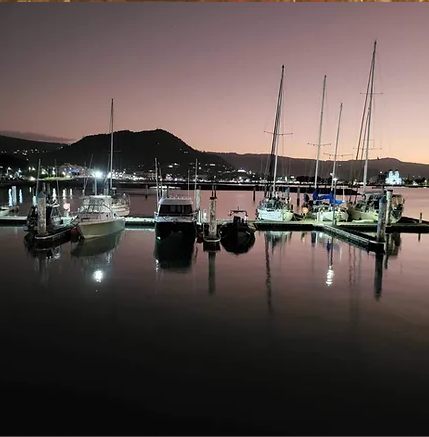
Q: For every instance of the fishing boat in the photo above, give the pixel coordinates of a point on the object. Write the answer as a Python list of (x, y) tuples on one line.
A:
[(237, 235), (174, 215), (96, 218), (275, 206), (366, 208), (55, 217)]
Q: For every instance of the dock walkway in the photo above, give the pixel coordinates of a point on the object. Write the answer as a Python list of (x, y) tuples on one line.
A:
[(357, 233)]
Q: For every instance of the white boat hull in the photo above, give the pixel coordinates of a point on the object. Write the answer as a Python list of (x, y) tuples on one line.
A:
[(340, 216), (4, 212), (121, 211), (275, 215), (100, 228), (368, 216)]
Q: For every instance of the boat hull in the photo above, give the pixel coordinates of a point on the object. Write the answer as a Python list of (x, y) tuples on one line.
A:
[(340, 216), (371, 215), (274, 215), (121, 211), (100, 228), (167, 229), (237, 240)]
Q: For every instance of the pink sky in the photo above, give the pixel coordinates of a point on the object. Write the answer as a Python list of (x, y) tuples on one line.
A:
[(209, 72)]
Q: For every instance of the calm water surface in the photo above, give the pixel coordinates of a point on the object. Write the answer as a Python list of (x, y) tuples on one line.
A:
[(301, 335)]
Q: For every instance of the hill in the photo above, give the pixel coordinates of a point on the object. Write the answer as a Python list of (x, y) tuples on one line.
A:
[(132, 151), (305, 167), (26, 147)]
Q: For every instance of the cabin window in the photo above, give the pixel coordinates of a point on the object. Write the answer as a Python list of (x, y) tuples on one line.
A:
[(175, 210)]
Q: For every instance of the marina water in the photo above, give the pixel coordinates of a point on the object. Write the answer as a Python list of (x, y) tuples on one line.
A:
[(302, 334)]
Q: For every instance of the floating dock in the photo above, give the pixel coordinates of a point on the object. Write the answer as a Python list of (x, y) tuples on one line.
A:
[(352, 232), (406, 224)]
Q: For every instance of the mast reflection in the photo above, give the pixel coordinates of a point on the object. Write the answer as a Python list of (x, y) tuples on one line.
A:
[(272, 240), (96, 256)]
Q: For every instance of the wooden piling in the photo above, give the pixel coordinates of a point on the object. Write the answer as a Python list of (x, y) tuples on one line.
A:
[(41, 214), (381, 225)]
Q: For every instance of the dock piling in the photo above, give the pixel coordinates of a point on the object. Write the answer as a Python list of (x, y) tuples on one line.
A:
[(14, 201), (381, 225), (41, 213), (211, 241), (421, 218), (389, 206), (254, 192), (212, 218), (298, 195), (147, 190)]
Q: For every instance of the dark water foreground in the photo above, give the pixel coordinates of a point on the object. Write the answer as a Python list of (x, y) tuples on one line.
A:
[(301, 335)]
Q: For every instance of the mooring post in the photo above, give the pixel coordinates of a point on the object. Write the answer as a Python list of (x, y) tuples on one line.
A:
[(298, 194), (41, 213), (212, 217), (197, 204), (389, 194), (147, 190), (421, 218), (254, 192), (381, 225), (14, 202)]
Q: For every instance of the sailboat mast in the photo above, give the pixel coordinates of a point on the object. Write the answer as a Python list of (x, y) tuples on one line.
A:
[(371, 95), (334, 167), (156, 179), (319, 143), (274, 147), (111, 146)]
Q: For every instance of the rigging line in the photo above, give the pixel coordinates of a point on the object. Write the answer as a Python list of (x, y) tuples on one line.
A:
[(365, 108)]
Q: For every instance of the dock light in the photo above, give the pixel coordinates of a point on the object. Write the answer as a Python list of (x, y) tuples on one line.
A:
[(98, 174), (97, 276), (66, 206)]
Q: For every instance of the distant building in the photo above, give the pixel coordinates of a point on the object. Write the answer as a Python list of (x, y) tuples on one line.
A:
[(393, 178)]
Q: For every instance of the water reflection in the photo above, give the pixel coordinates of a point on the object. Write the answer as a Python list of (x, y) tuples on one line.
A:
[(176, 254), (272, 240), (96, 256), (43, 259)]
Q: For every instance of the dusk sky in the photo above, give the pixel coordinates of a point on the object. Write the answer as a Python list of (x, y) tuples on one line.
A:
[(209, 72)]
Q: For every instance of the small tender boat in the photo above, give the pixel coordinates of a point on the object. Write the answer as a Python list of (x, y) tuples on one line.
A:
[(237, 235)]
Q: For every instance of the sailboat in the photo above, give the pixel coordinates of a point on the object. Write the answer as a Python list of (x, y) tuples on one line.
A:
[(366, 208), (274, 207), (336, 207), (120, 204)]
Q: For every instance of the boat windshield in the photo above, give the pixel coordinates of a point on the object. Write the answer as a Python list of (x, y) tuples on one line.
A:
[(175, 210), (93, 206)]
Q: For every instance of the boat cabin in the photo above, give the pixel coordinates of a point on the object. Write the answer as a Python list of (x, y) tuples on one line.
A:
[(175, 206), (98, 206)]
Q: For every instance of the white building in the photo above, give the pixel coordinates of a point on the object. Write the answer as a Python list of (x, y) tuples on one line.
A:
[(393, 178)]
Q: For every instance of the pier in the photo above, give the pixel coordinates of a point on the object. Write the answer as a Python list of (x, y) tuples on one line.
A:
[(357, 233)]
